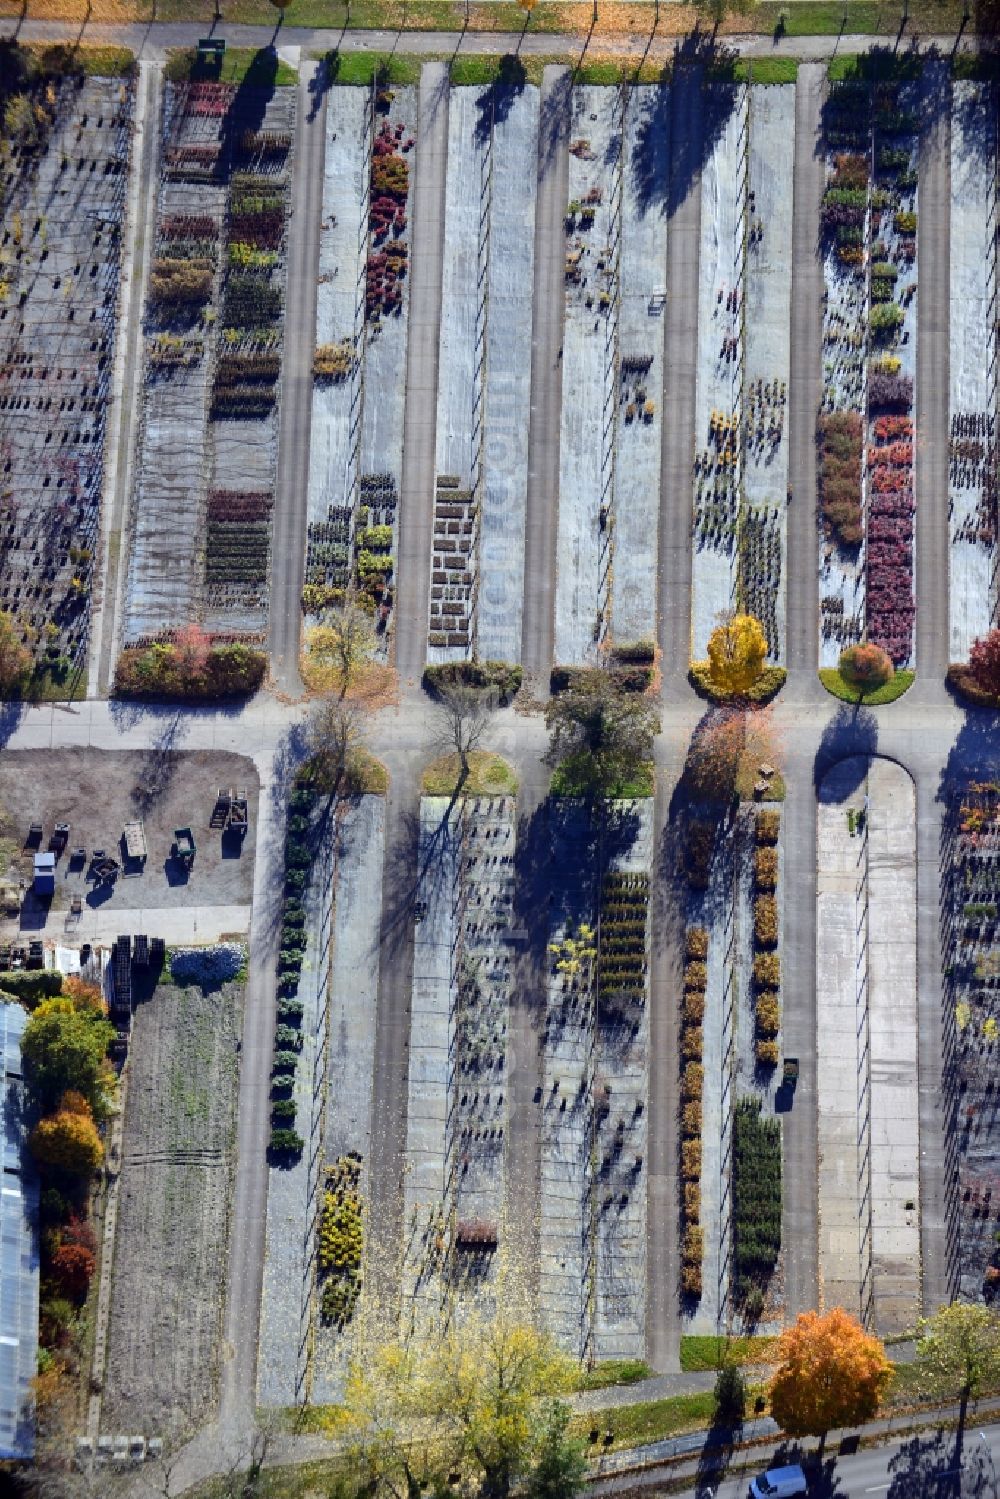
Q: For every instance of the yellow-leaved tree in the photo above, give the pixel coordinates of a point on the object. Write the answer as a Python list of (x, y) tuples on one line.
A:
[(470, 1399), (68, 1139), (737, 649), (830, 1373)]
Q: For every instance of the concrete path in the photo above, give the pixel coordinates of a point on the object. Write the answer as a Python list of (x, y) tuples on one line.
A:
[(933, 357), (680, 362), (892, 989), (538, 616), (805, 384), (416, 511), (288, 538), (127, 383)]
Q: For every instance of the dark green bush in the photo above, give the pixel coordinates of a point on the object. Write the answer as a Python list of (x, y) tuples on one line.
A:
[(286, 1142), (504, 676), (284, 1061), (283, 1108), (31, 986), (756, 1193), (290, 1010), (286, 1038)]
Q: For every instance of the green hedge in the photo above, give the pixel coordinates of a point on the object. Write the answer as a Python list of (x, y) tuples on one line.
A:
[(961, 681), (501, 675), (154, 673), (31, 985)]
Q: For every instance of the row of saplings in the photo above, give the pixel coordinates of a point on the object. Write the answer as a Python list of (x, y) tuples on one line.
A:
[(285, 1139), (766, 962), (692, 1080)]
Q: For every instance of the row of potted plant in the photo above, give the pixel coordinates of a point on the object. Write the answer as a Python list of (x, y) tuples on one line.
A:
[(692, 1080)]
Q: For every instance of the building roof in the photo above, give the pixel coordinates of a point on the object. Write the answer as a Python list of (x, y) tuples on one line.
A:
[(18, 1252)]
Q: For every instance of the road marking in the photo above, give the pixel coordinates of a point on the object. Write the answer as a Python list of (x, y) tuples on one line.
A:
[(876, 1487)]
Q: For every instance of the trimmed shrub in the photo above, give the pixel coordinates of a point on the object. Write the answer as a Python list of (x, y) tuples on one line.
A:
[(692, 1041), (285, 1142), (691, 1120), (693, 1246), (695, 975), (692, 1081), (767, 971), (765, 921), (691, 1161), (283, 1108), (692, 1202), (696, 942), (699, 843), (693, 1008), (284, 1061), (765, 868), (768, 1015), (691, 1279), (866, 666), (959, 679), (767, 827), (767, 1053), (287, 1038), (506, 677)]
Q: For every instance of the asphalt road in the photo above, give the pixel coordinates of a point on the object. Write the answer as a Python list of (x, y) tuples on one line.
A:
[(416, 511), (538, 617), (919, 1466), (289, 528)]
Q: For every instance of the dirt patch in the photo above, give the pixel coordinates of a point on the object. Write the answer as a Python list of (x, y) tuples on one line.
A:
[(178, 1156), (98, 791)]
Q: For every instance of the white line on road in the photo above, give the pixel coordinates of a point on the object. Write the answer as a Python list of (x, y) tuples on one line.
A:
[(876, 1487)]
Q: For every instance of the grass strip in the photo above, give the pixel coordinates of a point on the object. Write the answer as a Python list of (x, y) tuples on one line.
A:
[(848, 692), (489, 775), (769, 70), (614, 1371), (650, 1421), (247, 65), (95, 62), (706, 1353), (504, 69), (361, 69)]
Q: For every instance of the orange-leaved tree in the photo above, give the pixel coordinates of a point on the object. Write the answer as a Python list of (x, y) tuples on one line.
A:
[(68, 1139), (830, 1373)]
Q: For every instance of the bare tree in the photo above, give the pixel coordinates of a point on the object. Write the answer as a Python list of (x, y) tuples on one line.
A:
[(461, 718), (332, 731)]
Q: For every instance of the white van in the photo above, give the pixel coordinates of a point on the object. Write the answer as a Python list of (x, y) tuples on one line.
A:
[(778, 1483)]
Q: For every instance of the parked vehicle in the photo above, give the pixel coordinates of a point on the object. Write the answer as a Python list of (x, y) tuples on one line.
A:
[(778, 1483)]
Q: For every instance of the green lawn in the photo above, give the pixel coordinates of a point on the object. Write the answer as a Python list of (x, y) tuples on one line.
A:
[(700, 1353), (634, 1425), (496, 68), (572, 778), (615, 1371), (102, 62), (489, 775), (768, 69), (360, 68), (848, 693), (240, 65)]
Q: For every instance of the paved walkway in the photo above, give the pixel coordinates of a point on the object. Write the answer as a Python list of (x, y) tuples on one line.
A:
[(416, 511), (538, 616), (290, 513)]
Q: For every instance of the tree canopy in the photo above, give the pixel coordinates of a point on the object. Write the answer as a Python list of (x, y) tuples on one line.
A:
[(737, 649), (68, 1139), (602, 731), (984, 663), (958, 1351), (469, 1401), (830, 1373), (64, 1049)]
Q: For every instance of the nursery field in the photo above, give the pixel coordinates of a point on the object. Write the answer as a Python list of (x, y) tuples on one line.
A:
[(63, 190), (165, 1334), (206, 446)]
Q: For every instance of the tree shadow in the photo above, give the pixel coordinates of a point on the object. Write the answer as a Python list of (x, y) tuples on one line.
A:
[(159, 765), (974, 752), (851, 735), (649, 162), (497, 100), (932, 1465), (703, 98), (554, 120)]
